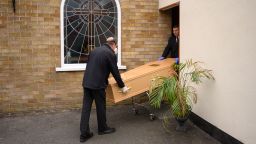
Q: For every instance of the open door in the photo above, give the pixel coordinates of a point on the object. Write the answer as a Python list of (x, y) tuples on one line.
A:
[(175, 15), (173, 50)]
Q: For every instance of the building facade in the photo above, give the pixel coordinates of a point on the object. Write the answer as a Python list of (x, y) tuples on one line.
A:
[(30, 46)]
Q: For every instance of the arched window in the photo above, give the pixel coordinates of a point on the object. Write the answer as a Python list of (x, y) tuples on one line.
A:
[(86, 24)]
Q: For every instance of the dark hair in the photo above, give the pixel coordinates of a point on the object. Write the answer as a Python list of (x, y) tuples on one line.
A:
[(175, 26)]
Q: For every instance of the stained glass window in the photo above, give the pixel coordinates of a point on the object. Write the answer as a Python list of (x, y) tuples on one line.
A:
[(87, 24)]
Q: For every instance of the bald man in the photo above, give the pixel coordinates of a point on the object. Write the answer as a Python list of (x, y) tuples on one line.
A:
[(101, 62)]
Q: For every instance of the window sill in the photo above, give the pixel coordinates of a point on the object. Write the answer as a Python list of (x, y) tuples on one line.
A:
[(81, 68)]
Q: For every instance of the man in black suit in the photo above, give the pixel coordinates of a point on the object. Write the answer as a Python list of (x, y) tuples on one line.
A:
[(172, 48), (101, 62)]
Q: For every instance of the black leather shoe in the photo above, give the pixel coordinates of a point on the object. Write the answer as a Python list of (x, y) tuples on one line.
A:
[(84, 138), (107, 131)]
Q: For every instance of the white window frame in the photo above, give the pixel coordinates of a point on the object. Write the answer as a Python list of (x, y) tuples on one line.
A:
[(81, 67)]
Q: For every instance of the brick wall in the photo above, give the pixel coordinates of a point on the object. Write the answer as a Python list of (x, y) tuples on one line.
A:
[(30, 52), (144, 31)]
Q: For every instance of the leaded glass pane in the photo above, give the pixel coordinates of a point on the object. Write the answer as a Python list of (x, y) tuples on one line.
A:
[(87, 24)]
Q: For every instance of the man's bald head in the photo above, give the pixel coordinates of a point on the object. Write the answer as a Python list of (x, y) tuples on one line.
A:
[(111, 42)]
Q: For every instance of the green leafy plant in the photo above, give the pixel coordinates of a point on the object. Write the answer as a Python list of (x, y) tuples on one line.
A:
[(178, 90)]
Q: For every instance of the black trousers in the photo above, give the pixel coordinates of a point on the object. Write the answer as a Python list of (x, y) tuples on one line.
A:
[(100, 101)]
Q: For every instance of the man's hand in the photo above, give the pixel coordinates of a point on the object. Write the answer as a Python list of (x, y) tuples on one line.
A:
[(125, 89), (161, 58)]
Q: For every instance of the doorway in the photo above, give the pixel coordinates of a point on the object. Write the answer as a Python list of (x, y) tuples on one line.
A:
[(175, 15)]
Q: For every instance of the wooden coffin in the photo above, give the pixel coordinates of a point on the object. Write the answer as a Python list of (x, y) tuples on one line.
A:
[(138, 79)]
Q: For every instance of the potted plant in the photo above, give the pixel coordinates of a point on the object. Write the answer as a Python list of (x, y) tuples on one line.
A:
[(179, 89)]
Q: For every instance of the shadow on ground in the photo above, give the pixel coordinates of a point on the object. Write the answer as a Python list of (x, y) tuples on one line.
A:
[(63, 128)]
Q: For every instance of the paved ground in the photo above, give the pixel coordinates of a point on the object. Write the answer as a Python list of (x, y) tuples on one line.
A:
[(63, 128)]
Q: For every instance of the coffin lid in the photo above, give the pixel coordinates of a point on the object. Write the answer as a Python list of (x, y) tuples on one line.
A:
[(138, 72)]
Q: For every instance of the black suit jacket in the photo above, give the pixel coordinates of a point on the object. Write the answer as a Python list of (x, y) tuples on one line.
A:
[(101, 62), (172, 48)]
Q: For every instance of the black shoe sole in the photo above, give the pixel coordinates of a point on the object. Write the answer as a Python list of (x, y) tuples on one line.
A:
[(102, 133), (85, 139)]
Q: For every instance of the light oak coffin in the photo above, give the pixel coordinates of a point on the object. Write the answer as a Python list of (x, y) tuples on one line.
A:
[(138, 79)]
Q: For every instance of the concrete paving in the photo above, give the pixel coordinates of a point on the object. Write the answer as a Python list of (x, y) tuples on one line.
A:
[(63, 128)]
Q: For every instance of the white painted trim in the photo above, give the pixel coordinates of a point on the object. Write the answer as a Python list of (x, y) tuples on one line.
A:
[(119, 33), (167, 4), (62, 32), (80, 67)]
